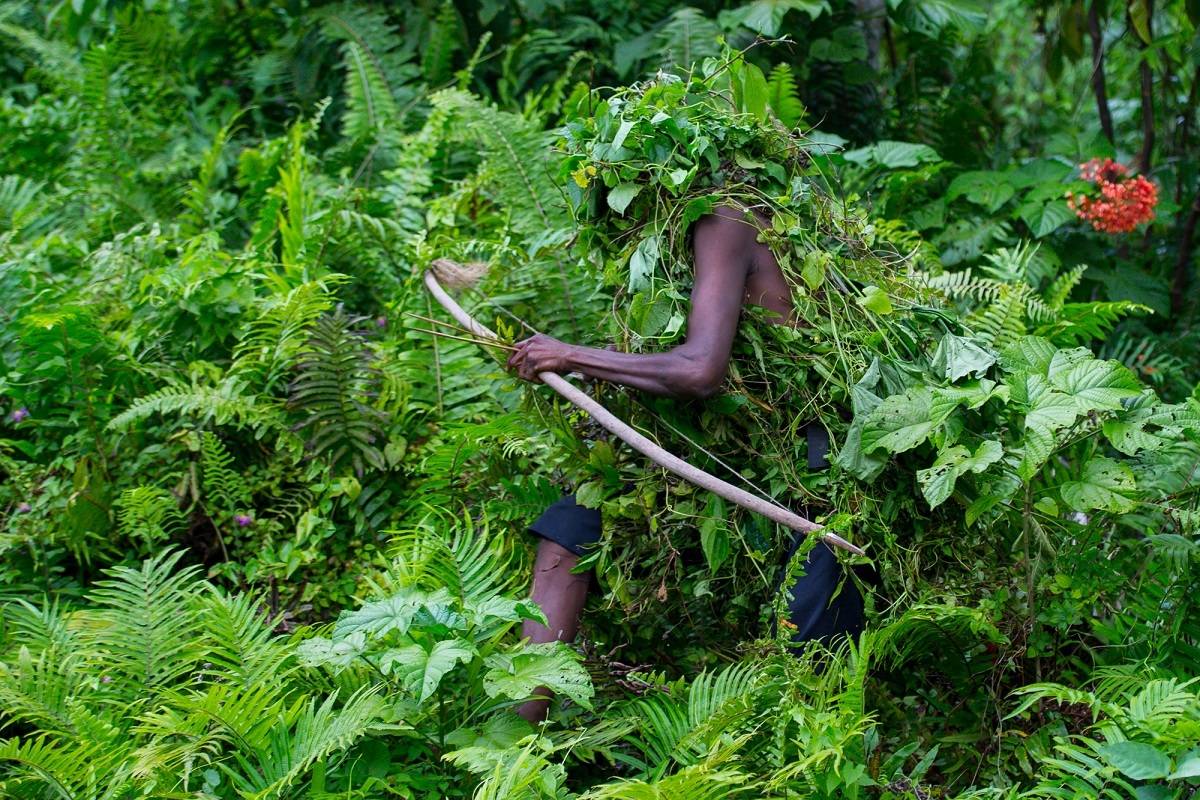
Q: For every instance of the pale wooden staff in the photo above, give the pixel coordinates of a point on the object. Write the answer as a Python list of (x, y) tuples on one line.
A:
[(640, 443)]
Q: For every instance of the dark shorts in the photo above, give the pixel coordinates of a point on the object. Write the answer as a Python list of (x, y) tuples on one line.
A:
[(824, 602), (569, 524)]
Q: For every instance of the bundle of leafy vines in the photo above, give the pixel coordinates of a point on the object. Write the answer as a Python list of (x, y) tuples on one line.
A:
[(877, 359)]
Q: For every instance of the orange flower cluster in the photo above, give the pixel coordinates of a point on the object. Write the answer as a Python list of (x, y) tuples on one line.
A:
[(1124, 202)]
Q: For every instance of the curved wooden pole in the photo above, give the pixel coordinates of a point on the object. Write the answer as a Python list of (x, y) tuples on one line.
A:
[(640, 443)]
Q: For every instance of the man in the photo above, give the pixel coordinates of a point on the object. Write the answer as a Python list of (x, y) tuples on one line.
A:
[(732, 269)]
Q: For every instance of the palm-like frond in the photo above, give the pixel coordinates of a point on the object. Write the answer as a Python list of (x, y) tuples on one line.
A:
[(242, 646), (226, 403), (335, 381), (142, 632), (472, 563), (319, 731)]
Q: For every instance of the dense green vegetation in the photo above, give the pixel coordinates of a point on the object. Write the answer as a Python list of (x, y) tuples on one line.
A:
[(264, 536)]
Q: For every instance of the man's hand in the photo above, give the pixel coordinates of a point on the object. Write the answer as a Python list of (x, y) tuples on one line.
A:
[(539, 353)]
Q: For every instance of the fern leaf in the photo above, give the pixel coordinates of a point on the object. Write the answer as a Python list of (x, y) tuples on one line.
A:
[(781, 96), (143, 629), (687, 38), (335, 378), (320, 732)]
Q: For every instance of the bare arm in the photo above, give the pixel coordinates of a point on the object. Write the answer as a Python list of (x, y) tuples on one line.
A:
[(724, 248)]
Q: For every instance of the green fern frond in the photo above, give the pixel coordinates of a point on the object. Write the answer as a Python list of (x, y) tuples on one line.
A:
[(1000, 323), (782, 97), (713, 779), (335, 379), (40, 689), (225, 492), (148, 513), (272, 341), (142, 631), (319, 733), (226, 403), (515, 161), (1060, 289), (197, 216), (19, 202), (66, 770), (1081, 323), (473, 563), (687, 38), (444, 38), (242, 646)]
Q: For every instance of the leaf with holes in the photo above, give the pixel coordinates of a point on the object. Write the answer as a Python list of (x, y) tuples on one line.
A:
[(900, 423), (516, 674), (1105, 484), (937, 482)]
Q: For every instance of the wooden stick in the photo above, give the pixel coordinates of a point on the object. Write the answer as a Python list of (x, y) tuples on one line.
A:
[(640, 443)]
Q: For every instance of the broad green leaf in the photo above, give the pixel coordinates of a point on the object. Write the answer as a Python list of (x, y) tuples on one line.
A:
[(622, 134), (714, 534), (813, 270), (862, 399), (983, 187), (643, 262), (516, 674), (1041, 171), (754, 91), (380, 617), (1095, 385), (1188, 766), (421, 671), (1136, 760), (971, 394), (844, 45), (1051, 412), (766, 16), (902, 154), (875, 300), (852, 458), (1028, 354), (957, 356), (997, 490), (931, 17), (937, 482), (319, 651), (1151, 428), (1105, 484), (900, 423), (1045, 218), (622, 195), (505, 609)]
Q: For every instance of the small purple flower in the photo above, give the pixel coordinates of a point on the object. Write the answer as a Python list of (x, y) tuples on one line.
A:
[(24, 508), (243, 519), (20, 414), (381, 322), (106, 678)]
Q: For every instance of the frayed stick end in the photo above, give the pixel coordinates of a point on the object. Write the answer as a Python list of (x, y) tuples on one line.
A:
[(456, 276)]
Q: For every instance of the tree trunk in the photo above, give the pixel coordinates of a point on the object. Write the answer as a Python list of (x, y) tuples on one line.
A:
[(1183, 266), (1099, 85), (1147, 75)]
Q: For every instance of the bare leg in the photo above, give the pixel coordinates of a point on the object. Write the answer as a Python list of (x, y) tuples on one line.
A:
[(561, 595)]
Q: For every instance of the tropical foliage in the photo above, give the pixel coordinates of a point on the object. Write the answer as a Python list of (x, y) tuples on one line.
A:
[(263, 526)]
